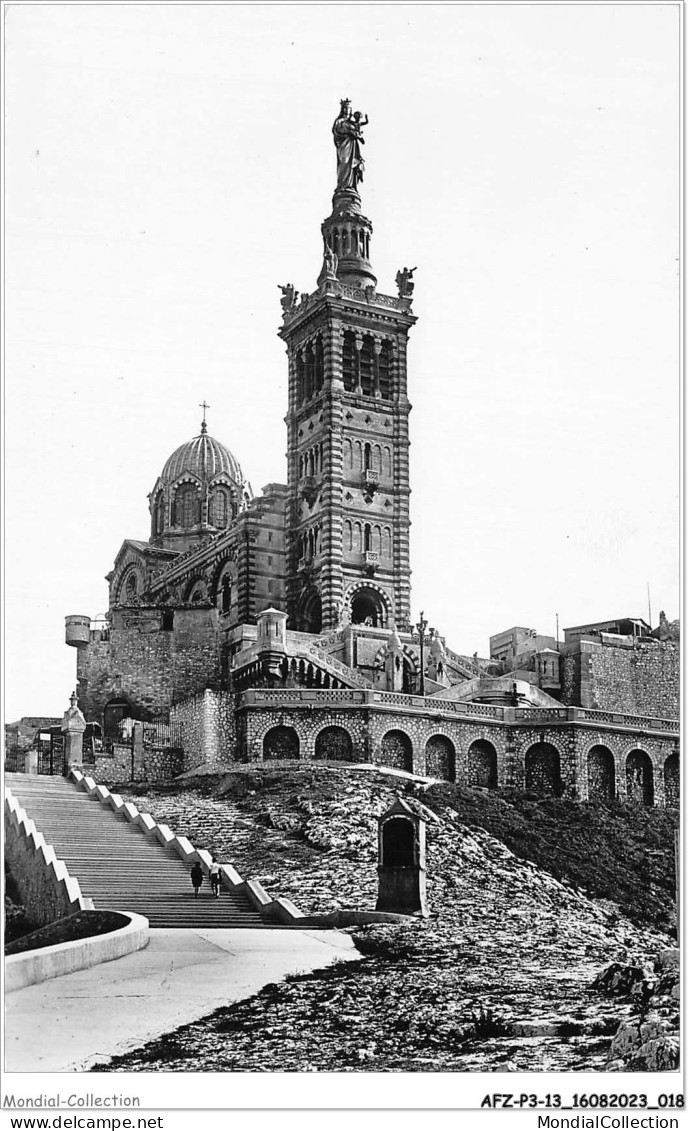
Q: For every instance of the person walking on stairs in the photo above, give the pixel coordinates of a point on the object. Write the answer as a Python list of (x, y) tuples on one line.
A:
[(215, 875), (196, 878)]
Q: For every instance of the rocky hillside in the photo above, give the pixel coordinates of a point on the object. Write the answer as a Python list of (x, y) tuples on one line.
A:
[(530, 900)]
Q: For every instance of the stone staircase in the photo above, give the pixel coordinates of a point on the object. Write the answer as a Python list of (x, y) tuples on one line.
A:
[(118, 866)]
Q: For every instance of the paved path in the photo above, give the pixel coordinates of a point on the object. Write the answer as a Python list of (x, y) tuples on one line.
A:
[(70, 1023)]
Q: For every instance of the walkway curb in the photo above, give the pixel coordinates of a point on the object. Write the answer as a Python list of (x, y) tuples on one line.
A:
[(64, 958)]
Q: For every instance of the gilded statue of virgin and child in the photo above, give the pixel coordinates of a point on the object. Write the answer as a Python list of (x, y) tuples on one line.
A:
[(348, 138)]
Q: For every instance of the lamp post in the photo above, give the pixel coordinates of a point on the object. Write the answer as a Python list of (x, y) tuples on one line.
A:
[(420, 628)]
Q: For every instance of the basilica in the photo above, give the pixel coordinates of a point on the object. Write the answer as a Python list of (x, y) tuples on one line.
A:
[(255, 628)]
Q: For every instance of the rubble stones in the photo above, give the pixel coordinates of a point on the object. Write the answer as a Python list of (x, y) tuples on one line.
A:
[(499, 978)]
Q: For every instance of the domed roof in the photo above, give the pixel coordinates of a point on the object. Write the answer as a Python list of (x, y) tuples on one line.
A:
[(204, 457)]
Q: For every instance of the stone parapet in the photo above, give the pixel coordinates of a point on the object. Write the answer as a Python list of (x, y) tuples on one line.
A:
[(436, 707)]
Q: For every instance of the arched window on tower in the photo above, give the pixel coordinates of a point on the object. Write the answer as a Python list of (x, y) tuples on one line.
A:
[(349, 361), (309, 388), (367, 457), (367, 537), (367, 371), (319, 364), (300, 378), (385, 370), (187, 509), (225, 594)]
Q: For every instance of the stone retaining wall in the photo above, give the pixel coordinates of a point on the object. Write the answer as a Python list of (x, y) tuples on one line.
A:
[(552, 757), (644, 679), (45, 886), (208, 728)]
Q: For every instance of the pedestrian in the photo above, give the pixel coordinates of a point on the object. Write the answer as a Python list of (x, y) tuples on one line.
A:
[(215, 876), (196, 878)]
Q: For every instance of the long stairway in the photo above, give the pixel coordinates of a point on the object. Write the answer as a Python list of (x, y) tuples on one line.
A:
[(117, 865)]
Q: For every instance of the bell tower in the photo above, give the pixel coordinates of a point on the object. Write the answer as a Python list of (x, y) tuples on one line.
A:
[(347, 421)]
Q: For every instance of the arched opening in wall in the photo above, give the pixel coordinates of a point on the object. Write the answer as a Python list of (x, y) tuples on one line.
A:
[(319, 364), (300, 378), (543, 771), (113, 715), (367, 366), (280, 742), (310, 612), (187, 506), (440, 758), (398, 843), (131, 587), (159, 515), (349, 374), (672, 783), (385, 369), (396, 749), (197, 593), (310, 371), (408, 679), (640, 784), (219, 508), (367, 608), (334, 743), (482, 764), (225, 593), (601, 775)]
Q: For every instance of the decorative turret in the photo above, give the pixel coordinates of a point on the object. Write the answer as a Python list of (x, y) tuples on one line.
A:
[(437, 661), (272, 642), (394, 662)]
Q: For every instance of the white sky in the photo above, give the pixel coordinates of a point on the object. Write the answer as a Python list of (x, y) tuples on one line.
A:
[(168, 166)]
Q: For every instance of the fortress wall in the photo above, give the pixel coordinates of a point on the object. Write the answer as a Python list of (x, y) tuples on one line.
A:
[(149, 667), (643, 680)]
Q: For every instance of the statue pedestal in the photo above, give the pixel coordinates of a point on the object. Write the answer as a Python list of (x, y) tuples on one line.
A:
[(346, 202)]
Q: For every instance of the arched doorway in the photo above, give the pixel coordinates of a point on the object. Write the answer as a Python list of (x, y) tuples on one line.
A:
[(115, 712), (310, 612), (601, 774), (440, 758), (482, 764), (368, 608), (334, 743), (396, 750), (398, 839), (543, 773), (280, 742), (672, 783), (640, 784)]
